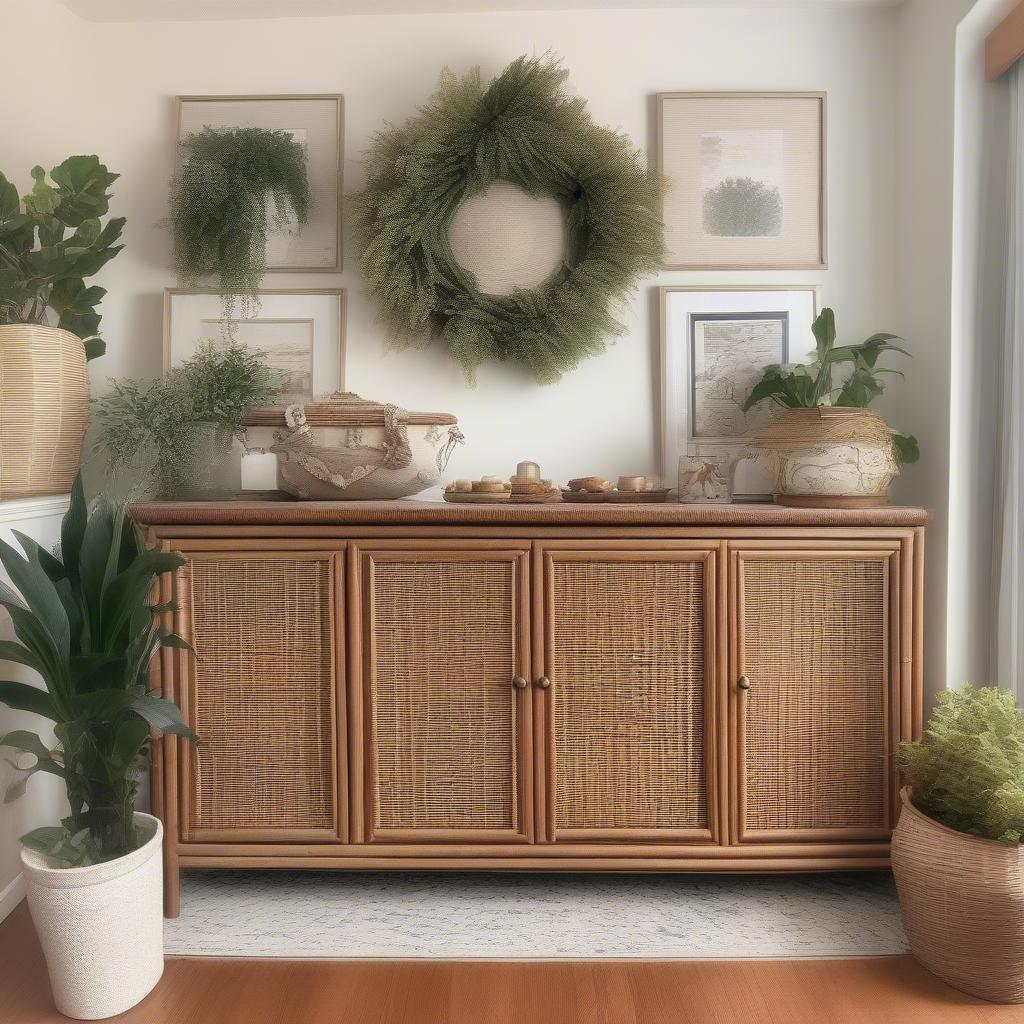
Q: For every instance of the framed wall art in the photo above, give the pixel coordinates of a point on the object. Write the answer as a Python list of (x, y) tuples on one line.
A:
[(315, 121), (746, 179), (300, 331), (715, 343)]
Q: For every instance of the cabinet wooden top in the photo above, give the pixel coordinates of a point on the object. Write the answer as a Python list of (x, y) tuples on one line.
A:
[(424, 513)]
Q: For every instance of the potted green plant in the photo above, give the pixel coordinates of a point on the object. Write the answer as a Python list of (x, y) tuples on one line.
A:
[(832, 449), (235, 184), (51, 240), (84, 622), (956, 851), (177, 432)]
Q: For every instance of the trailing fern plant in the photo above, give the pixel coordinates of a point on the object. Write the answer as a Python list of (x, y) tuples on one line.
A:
[(84, 622), (968, 770), (219, 204), (51, 241)]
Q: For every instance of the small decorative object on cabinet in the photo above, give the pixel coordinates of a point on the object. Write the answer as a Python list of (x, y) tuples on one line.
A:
[(349, 447), (832, 452), (957, 853), (631, 490), (515, 159), (747, 173), (94, 880), (300, 333), (705, 478), (616, 695), (52, 240), (286, 216), (176, 433), (524, 487), (715, 345)]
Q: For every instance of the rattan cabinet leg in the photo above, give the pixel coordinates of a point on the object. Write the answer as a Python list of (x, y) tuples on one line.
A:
[(172, 874)]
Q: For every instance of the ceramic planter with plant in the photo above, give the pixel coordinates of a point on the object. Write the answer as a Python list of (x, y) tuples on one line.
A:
[(831, 449), (51, 240), (84, 622), (235, 185), (174, 435), (956, 851)]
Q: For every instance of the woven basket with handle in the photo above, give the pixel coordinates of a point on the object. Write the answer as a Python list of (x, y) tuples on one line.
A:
[(963, 905), (44, 410)]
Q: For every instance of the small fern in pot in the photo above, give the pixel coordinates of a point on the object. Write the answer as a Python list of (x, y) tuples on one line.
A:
[(235, 185)]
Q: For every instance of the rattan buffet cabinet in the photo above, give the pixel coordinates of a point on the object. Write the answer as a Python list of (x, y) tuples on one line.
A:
[(551, 687)]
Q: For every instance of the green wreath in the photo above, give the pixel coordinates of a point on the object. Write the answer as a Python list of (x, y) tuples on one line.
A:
[(521, 128)]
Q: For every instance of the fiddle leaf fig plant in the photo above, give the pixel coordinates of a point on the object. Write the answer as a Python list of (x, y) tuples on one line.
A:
[(51, 240), (808, 386), (84, 622)]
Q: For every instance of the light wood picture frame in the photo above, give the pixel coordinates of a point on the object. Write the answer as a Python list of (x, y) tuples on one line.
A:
[(319, 120), (746, 180), (302, 331), (684, 305)]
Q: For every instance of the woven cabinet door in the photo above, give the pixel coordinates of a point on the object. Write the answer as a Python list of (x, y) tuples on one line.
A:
[(628, 691), (815, 661), (445, 654), (262, 693)]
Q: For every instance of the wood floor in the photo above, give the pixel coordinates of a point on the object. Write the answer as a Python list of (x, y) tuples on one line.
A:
[(886, 990)]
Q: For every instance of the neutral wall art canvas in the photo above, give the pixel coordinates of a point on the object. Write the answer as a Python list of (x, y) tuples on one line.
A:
[(746, 179), (300, 332), (317, 123), (715, 343)]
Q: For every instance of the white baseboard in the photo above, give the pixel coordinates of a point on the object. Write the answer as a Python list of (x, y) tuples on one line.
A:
[(11, 895)]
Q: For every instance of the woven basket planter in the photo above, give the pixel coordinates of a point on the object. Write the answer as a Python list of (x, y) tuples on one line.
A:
[(101, 927), (44, 410), (963, 905)]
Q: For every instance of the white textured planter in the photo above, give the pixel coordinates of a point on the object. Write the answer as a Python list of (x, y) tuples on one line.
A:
[(101, 927), (854, 470)]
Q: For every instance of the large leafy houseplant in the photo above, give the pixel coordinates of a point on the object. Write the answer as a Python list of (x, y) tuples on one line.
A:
[(51, 241), (235, 185), (967, 771), (808, 386), (158, 427), (85, 623)]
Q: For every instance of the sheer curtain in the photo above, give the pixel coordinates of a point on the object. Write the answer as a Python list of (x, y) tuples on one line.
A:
[(1009, 526)]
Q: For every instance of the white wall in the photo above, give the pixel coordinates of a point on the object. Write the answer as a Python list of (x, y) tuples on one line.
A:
[(44, 803), (601, 418)]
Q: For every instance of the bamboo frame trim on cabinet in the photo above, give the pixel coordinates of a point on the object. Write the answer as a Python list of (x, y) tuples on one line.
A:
[(822, 263), (339, 100)]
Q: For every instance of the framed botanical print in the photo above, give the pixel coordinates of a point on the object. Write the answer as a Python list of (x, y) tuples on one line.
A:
[(715, 344), (316, 122), (746, 179), (301, 333)]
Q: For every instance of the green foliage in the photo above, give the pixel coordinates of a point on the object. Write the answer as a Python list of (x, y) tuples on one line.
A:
[(968, 770), (83, 621), (800, 386), (51, 241), (521, 128), (742, 207), (160, 426), (219, 203)]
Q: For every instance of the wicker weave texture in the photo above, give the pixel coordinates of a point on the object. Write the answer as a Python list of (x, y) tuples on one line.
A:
[(629, 672), (963, 905), (264, 693), (815, 648), (444, 717), (44, 410)]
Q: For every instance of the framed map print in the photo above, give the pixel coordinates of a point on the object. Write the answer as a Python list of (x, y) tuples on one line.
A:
[(715, 344), (746, 179)]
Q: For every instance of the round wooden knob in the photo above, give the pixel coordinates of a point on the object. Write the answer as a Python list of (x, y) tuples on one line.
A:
[(743, 683), (519, 683), (544, 683)]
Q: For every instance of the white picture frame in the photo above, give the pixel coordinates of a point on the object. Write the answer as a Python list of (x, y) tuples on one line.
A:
[(681, 305), (746, 175), (302, 330), (318, 120)]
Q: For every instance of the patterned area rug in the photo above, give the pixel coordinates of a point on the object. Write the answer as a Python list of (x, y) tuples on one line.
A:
[(531, 917)]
